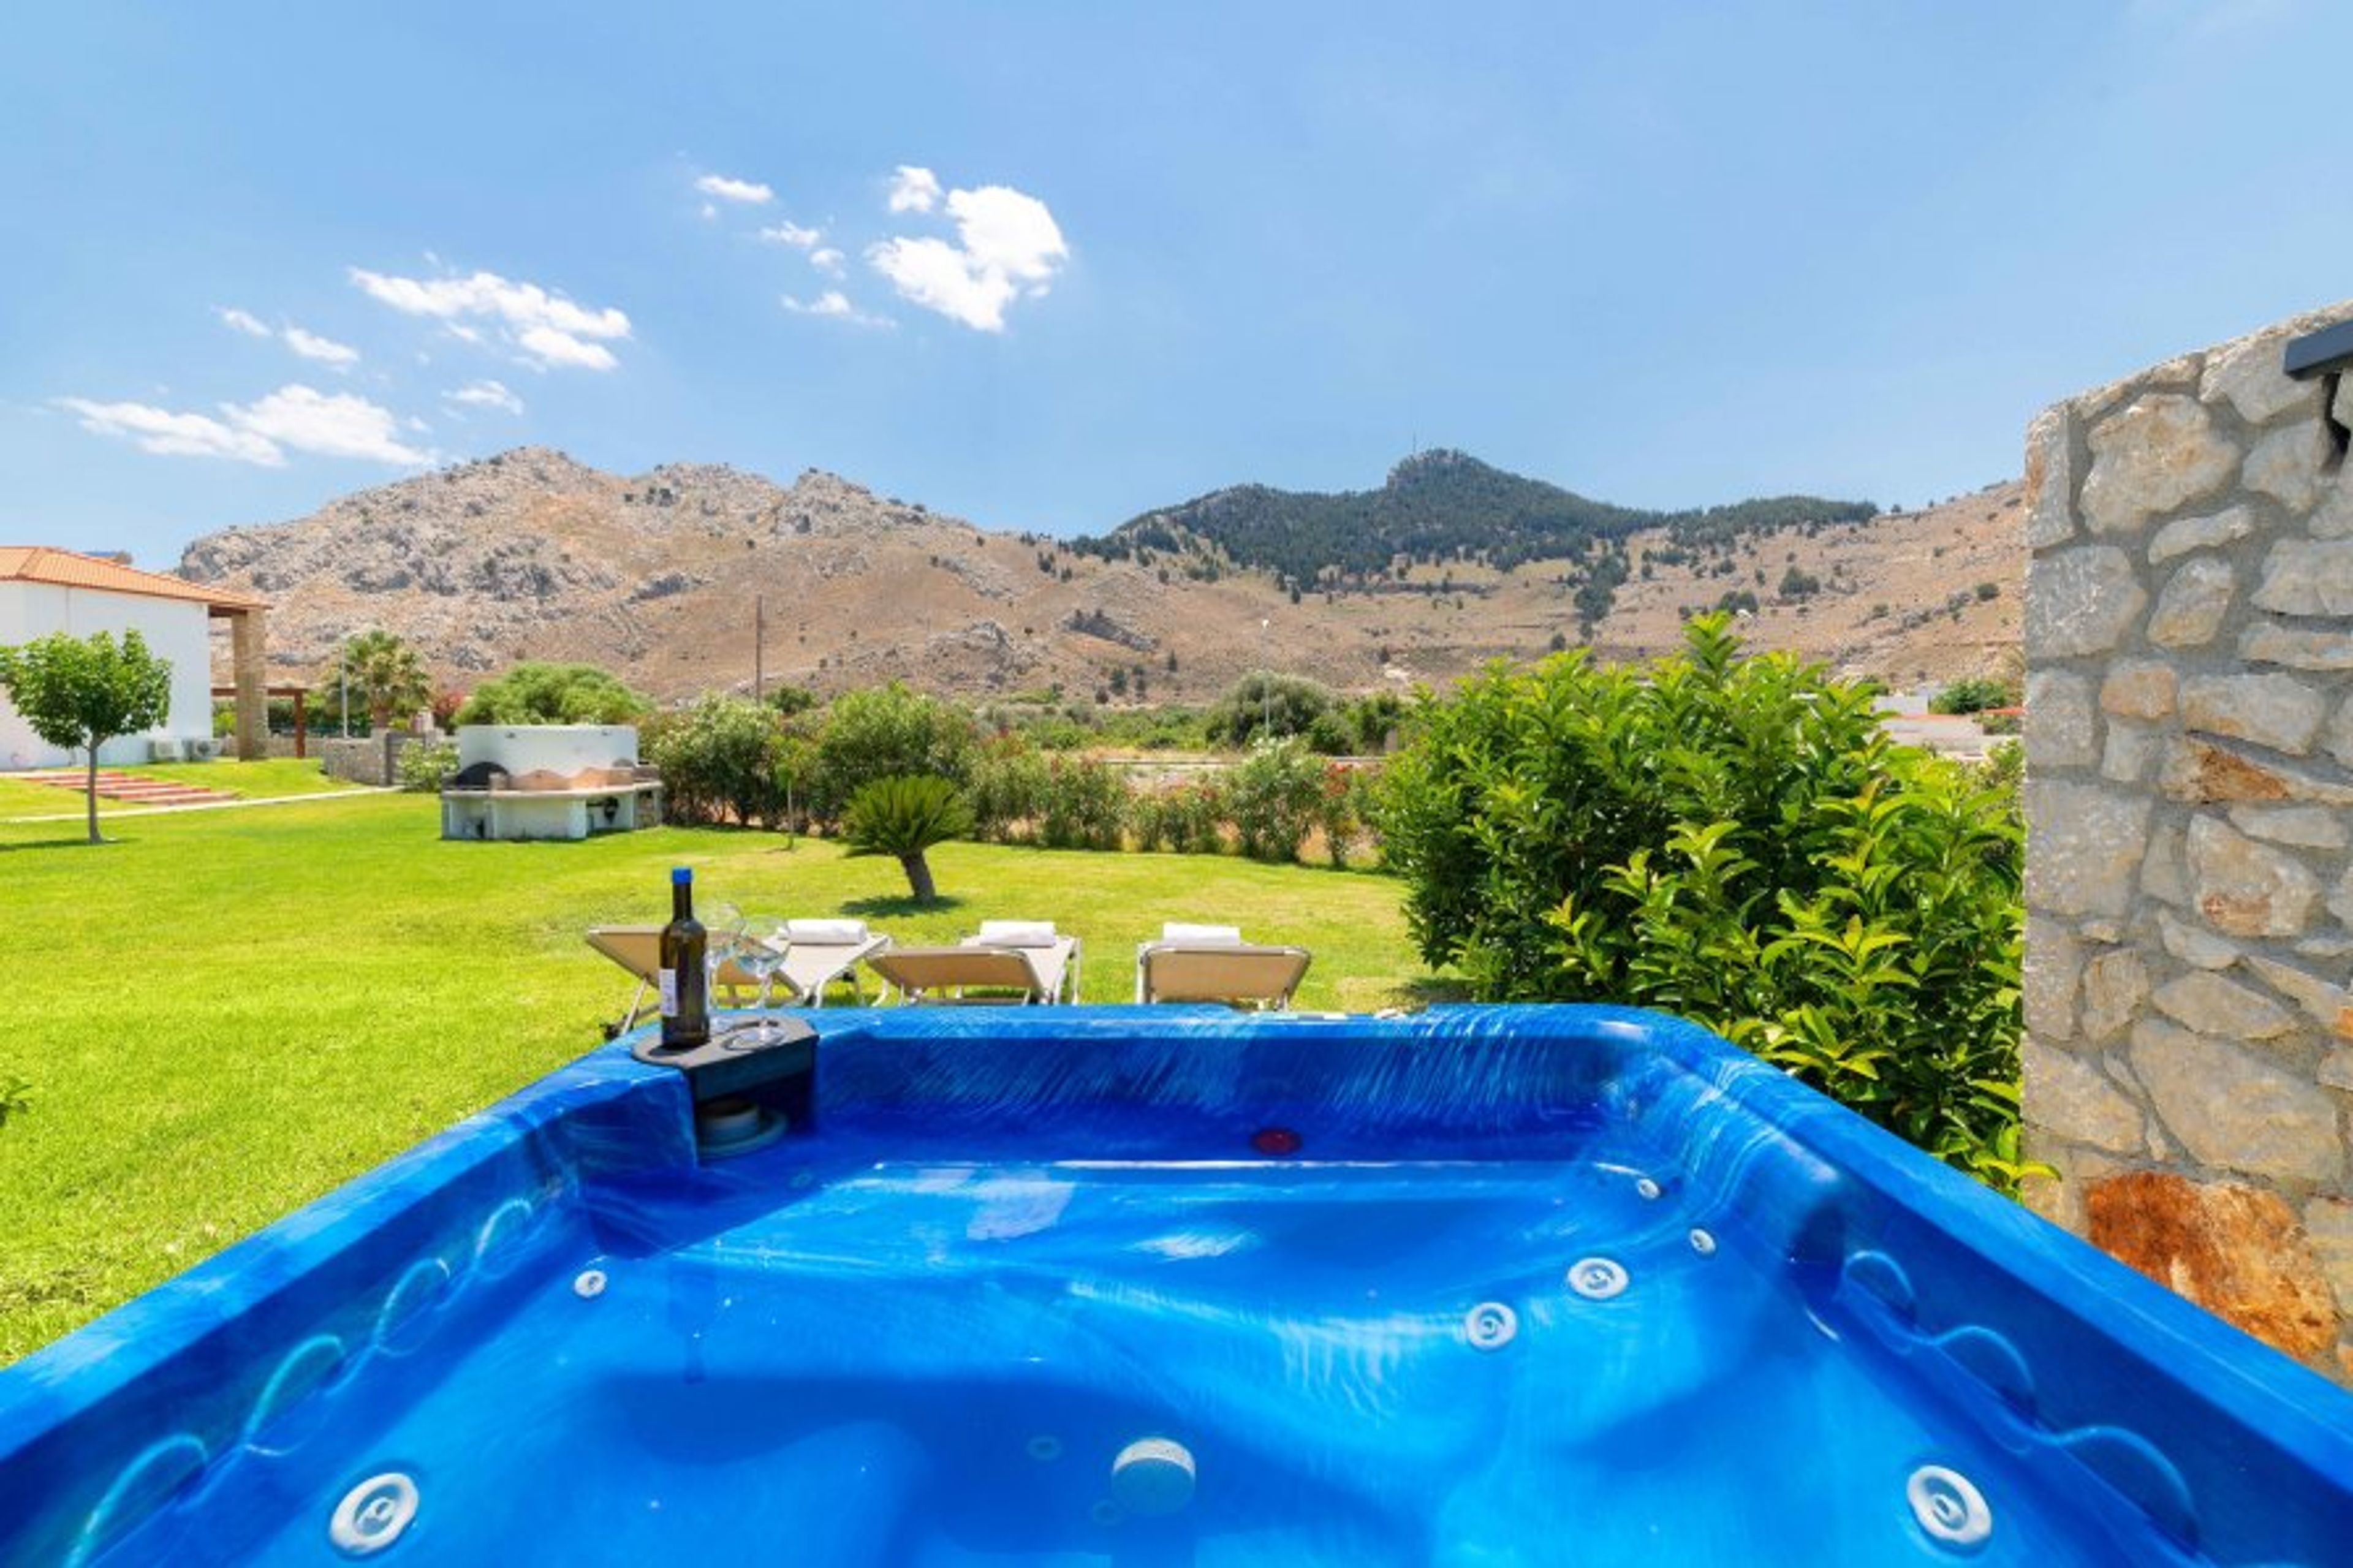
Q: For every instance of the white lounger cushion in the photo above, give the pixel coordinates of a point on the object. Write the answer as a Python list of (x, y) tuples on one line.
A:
[(826, 933), (1179, 931), (1017, 933)]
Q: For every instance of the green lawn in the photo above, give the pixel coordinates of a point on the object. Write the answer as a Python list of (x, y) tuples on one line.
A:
[(226, 1014), (250, 781)]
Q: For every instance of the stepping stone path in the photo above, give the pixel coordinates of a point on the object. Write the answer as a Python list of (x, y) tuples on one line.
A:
[(133, 789)]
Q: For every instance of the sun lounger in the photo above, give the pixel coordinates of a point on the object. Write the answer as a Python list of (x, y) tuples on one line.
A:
[(638, 949), (821, 951), (1006, 960), (1212, 963)]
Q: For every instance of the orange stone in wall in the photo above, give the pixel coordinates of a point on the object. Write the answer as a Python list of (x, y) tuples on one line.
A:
[(2236, 1251)]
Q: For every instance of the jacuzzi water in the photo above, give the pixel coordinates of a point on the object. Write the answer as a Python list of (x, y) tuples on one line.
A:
[(1530, 1286)]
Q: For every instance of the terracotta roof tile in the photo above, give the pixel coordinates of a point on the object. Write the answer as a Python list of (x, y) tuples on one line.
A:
[(68, 569)]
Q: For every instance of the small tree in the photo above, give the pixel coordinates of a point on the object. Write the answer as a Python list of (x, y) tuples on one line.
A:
[(535, 692), (384, 674), (904, 815), (84, 693)]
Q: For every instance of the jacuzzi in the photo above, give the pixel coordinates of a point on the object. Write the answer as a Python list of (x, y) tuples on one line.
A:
[(1171, 1286)]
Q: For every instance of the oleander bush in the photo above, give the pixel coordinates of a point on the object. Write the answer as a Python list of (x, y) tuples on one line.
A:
[(1272, 797), (726, 758), (421, 768), (1732, 838), (884, 731), (1084, 806), (1183, 819)]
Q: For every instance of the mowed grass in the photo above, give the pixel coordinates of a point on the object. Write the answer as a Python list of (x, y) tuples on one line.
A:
[(226, 1014), (248, 781)]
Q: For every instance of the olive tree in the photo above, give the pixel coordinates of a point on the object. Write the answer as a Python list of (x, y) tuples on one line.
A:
[(83, 693)]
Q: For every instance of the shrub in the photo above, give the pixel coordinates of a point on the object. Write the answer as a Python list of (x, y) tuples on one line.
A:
[(540, 693), (1340, 809), (1008, 789), (1974, 694), (883, 732), (1263, 702), (904, 815), (1085, 805), (1189, 818), (1272, 798), (420, 769), (724, 759), (1734, 840)]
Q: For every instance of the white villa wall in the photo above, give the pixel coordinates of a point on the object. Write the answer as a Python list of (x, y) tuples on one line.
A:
[(175, 629)]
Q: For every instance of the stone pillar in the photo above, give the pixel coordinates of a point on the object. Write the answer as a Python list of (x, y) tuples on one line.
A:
[(2188, 1059), (248, 661)]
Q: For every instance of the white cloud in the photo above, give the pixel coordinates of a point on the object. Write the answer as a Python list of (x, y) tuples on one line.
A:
[(547, 328), (827, 260), (913, 190), (835, 305), (309, 345), (173, 435), (296, 417), (486, 394), (792, 233), (553, 346), (337, 424), (1007, 246), (750, 192), (710, 211)]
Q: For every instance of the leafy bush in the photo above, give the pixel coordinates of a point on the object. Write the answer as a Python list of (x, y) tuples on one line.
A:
[(1734, 840), (420, 769), (1974, 694), (1187, 819), (535, 692), (1272, 799), (881, 733), (1262, 703), (904, 815), (1007, 790), (1343, 808), (1085, 805), (724, 759)]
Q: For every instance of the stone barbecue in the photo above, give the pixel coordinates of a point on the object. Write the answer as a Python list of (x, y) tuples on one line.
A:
[(548, 780)]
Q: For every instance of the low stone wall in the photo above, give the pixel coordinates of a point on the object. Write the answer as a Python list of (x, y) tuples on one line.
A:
[(375, 760), (2188, 1065)]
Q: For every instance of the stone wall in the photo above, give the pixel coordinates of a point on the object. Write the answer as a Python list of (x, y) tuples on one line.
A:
[(2189, 1061)]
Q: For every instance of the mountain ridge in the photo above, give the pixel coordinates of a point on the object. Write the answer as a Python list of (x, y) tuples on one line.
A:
[(531, 553)]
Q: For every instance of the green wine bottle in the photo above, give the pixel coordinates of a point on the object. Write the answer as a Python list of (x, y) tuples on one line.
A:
[(685, 983)]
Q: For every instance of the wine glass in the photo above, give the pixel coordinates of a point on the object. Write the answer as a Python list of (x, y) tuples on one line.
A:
[(757, 955)]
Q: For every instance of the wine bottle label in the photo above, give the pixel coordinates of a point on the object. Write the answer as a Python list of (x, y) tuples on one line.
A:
[(669, 993)]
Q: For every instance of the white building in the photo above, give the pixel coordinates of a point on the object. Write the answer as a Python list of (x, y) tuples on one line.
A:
[(44, 590)]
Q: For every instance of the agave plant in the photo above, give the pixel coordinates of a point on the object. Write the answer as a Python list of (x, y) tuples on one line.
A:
[(905, 815)]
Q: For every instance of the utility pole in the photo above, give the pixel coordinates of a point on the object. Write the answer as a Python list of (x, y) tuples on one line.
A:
[(759, 646)]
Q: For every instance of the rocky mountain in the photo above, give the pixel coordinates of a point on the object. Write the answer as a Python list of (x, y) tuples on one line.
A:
[(663, 576)]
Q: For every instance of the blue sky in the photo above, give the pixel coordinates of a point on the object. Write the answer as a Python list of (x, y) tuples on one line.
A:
[(1046, 266)]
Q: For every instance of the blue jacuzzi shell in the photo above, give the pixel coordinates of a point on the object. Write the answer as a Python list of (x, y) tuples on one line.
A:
[(126, 1432)]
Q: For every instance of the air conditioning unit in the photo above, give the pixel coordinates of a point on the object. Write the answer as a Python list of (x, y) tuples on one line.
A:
[(163, 751), (203, 750)]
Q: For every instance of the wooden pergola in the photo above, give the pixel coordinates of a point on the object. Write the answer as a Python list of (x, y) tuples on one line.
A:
[(300, 694)]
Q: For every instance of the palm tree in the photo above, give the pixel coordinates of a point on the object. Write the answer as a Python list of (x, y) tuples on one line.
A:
[(384, 673), (904, 815)]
